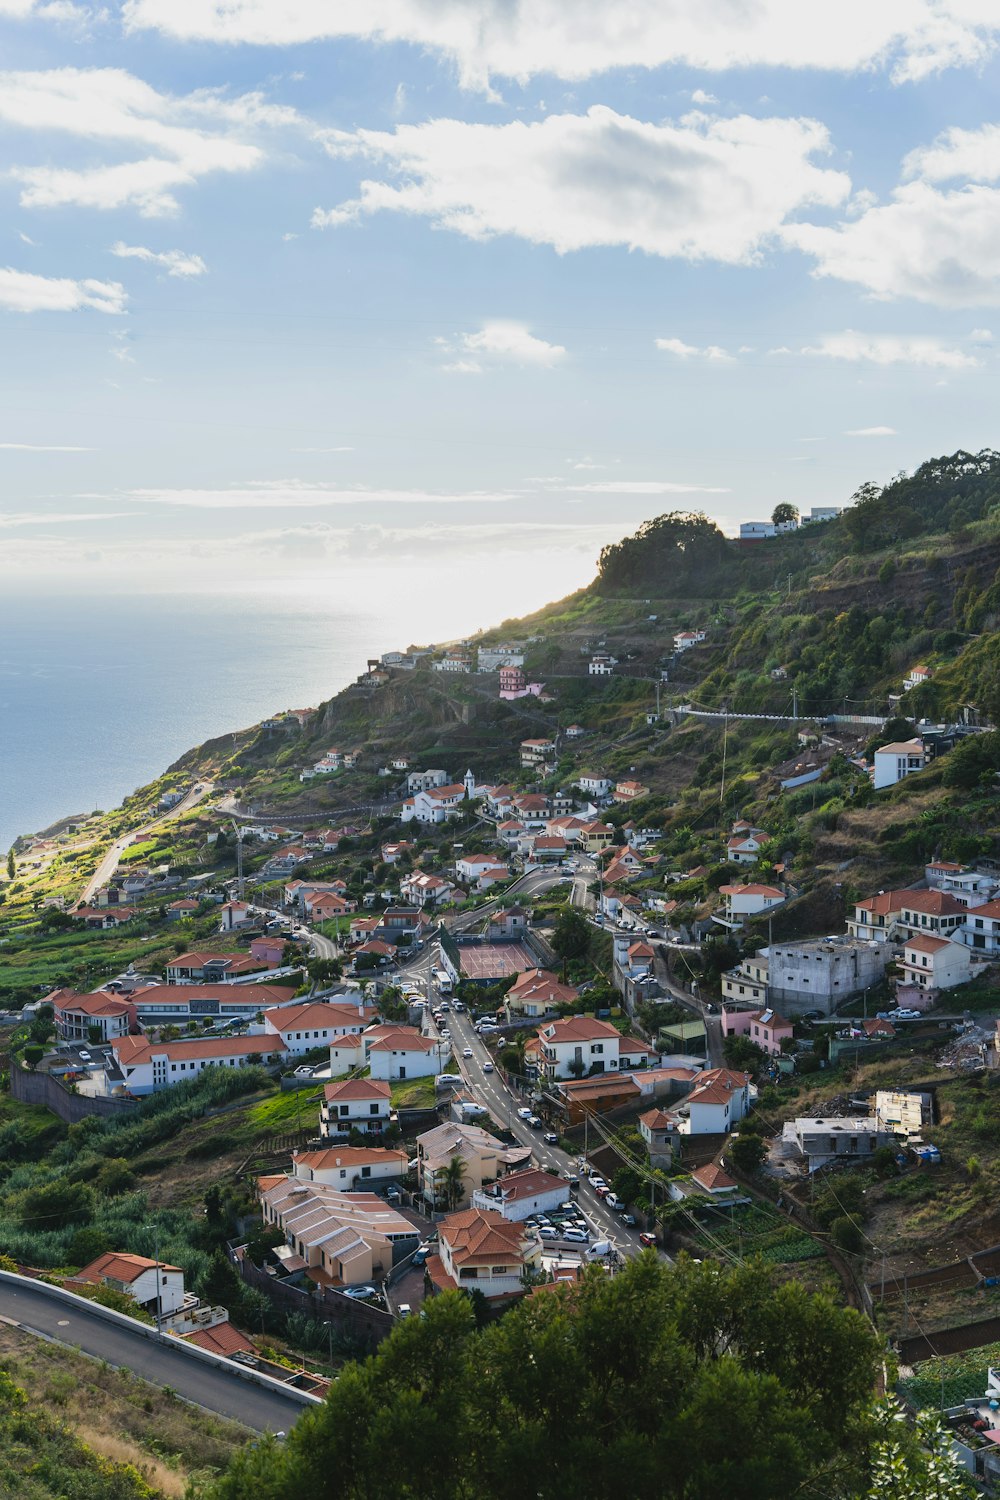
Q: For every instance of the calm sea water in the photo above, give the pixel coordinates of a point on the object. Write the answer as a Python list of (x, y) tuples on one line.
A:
[(98, 696)]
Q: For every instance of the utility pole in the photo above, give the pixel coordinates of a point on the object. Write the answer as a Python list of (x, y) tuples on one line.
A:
[(159, 1298), (795, 704)]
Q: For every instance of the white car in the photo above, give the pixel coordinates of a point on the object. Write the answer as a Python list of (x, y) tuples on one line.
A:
[(576, 1236), (524, 1114), (906, 1015), (466, 1051), (84, 1056), (487, 1067)]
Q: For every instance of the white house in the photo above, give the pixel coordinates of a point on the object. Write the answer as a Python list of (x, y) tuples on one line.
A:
[(355, 1104), (302, 1028), (537, 752), (594, 786), (981, 931), (602, 665), (76, 1016), (744, 845), (577, 1045), (454, 661), (140, 1066), (154, 1285), (235, 914), (472, 868), (685, 639), (396, 1052), (743, 901), (756, 531), (893, 762), (916, 677), (485, 1252), (521, 1194), (427, 890), (718, 1101), (933, 963), (435, 805), (349, 1167), (422, 781)]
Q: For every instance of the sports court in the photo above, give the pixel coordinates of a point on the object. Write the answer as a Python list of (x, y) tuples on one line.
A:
[(492, 961)]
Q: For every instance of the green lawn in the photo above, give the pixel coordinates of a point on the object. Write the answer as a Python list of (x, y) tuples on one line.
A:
[(287, 1111)]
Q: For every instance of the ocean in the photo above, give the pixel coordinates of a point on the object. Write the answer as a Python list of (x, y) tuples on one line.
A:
[(100, 693)]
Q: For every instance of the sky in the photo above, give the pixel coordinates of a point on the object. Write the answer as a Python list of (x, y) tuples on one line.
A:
[(304, 294)]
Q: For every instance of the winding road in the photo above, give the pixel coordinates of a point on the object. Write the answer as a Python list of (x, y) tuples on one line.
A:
[(163, 1362), (109, 863)]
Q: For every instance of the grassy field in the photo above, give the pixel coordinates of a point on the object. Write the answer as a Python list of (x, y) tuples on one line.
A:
[(117, 1417)]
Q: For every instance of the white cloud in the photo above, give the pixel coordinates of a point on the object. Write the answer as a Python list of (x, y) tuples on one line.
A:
[(957, 153), (22, 291), (11, 519), (294, 493), (501, 342), (701, 188), (980, 336), (690, 351), (699, 96), (644, 487), (174, 262), (870, 432), (178, 139), (937, 247), (521, 40), (892, 349), (44, 448)]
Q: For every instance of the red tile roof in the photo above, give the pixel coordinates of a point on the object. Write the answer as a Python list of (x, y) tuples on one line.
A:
[(120, 1266), (356, 1088), (223, 1339)]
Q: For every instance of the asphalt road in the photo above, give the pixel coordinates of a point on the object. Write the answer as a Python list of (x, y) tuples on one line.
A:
[(503, 1103), (159, 1362), (109, 863)]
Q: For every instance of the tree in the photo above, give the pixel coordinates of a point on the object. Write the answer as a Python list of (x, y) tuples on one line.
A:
[(916, 1463), (571, 937), (449, 1181), (784, 512), (746, 1152), (740, 1052), (11, 864), (614, 1386)]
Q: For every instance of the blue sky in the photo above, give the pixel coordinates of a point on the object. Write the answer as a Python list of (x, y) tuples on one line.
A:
[(314, 293)]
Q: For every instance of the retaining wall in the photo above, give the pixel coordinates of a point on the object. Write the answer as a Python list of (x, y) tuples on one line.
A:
[(42, 1088)]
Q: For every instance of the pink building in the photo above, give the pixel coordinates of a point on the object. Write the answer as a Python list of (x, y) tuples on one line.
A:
[(268, 950), (764, 1027)]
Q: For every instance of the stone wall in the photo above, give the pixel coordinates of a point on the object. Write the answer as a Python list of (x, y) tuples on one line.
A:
[(42, 1088)]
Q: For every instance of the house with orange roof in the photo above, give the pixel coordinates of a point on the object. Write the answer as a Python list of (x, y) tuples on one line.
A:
[(578, 1045), (77, 1016), (355, 1104), (140, 1066), (427, 890), (154, 1285), (103, 918), (349, 1167), (935, 963), (537, 752), (235, 914), (916, 677), (210, 968), (596, 836), (482, 1251), (315, 1023), (718, 1101), (877, 917), (340, 1239), (743, 902), (435, 805), (520, 1194), (537, 993), (659, 1129), (177, 911), (892, 763), (396, 1052), (744, 845), (715, 1181), (628, 791)]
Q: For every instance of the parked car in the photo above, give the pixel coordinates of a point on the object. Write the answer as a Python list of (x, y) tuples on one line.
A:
[(628, 1220), (907, 1015), (551, 1138), (648, 1241), (84, 1056), (360, 1293), (304, 1072), (576, 1236), (549, 1232), (614, 1202), (601, 1189)]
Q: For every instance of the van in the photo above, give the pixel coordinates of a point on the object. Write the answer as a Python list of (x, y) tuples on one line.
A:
[(404, 1309), (599, 1248)]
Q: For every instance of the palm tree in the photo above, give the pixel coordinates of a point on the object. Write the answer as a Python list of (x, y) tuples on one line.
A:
[(449, 1181)]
